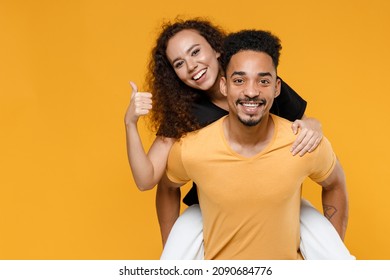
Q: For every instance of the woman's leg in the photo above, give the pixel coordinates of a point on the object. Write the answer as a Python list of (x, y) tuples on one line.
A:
[(185, 241), (319, 239)]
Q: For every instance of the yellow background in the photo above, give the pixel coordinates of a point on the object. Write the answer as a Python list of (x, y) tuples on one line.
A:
[(66, 190)]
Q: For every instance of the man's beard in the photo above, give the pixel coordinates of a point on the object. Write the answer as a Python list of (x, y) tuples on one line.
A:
[(251, 122)]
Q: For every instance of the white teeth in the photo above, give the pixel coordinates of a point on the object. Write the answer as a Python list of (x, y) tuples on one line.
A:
[(200, 74), (250, 104)]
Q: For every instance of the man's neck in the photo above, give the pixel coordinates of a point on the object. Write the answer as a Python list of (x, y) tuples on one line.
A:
[(248, 141)]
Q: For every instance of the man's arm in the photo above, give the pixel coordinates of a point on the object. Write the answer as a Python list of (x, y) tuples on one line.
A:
[(168, 206), (335, 199), (168, 191)]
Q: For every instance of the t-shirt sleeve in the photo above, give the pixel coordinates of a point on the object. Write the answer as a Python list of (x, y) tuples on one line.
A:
[(289, 104), (175, 168), (325, 161)]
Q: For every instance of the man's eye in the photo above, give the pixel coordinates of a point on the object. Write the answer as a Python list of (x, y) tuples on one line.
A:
[(264, 81), (238, 81)]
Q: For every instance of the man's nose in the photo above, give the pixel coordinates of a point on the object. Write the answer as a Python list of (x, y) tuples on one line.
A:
[(252, 90)]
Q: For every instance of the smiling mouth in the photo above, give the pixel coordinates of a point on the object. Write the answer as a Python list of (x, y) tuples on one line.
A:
[(251, 106), (251, 103), (199, 74)]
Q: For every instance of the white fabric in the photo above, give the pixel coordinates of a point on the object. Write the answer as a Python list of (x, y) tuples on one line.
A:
[(319, 239), (185, 241)]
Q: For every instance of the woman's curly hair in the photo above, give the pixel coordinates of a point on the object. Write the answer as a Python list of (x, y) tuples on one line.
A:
[(172, 112)]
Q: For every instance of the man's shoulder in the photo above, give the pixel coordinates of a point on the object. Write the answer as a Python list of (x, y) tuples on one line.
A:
[(283, 127), (206, 132), (194, 146), (281, 121), (284, 131)]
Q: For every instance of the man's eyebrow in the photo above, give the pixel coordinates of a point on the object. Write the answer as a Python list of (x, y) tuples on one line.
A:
[(239, 73), (187, 51), (264, 74), (242, 73)]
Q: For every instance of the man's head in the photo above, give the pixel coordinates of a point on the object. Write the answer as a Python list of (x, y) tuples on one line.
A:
[(253, 40), (250, 82)]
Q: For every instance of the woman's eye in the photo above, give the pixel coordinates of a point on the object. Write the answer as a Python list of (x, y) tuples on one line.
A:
[(178, 64), (195, 52)]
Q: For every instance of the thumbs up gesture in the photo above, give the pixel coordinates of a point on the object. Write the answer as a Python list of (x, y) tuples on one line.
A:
[(140, 105)]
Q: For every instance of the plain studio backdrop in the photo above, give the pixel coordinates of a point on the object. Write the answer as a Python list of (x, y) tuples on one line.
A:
[(66, 190)]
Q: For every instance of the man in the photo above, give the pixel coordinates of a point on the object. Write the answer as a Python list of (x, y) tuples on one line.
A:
[(249, 185)]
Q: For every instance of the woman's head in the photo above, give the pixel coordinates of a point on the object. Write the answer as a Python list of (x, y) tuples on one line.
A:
[(193, 59), (175, 78), (174, 41)]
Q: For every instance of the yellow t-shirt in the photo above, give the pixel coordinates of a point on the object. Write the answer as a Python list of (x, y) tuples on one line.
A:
[(250, 206)]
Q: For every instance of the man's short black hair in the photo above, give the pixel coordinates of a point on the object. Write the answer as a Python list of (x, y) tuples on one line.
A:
[(251, 40)]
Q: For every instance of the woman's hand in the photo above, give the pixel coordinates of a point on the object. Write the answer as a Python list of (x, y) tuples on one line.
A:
[(140, 105), (309, 137)]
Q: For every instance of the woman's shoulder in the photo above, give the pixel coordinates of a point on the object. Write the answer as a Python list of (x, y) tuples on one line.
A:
[(207, 112)]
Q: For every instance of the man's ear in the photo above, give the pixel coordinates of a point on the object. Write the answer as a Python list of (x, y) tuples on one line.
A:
[(222, 85), (278, 87)]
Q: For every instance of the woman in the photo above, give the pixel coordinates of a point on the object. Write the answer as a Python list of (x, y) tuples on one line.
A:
[(184, 78)]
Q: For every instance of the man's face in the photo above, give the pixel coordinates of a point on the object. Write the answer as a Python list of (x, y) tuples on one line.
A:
[(250, 85)]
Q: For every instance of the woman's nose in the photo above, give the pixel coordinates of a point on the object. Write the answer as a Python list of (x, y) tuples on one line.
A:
[(192, 65)]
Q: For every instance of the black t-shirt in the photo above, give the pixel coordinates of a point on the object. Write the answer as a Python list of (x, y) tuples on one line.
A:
[(288, 105)]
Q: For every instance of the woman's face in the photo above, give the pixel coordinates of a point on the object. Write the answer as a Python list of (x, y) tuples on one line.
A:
[(193, 59)]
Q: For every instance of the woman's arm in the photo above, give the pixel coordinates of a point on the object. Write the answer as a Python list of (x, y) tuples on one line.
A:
[(147, 169), (309, 137), (291, 106)]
